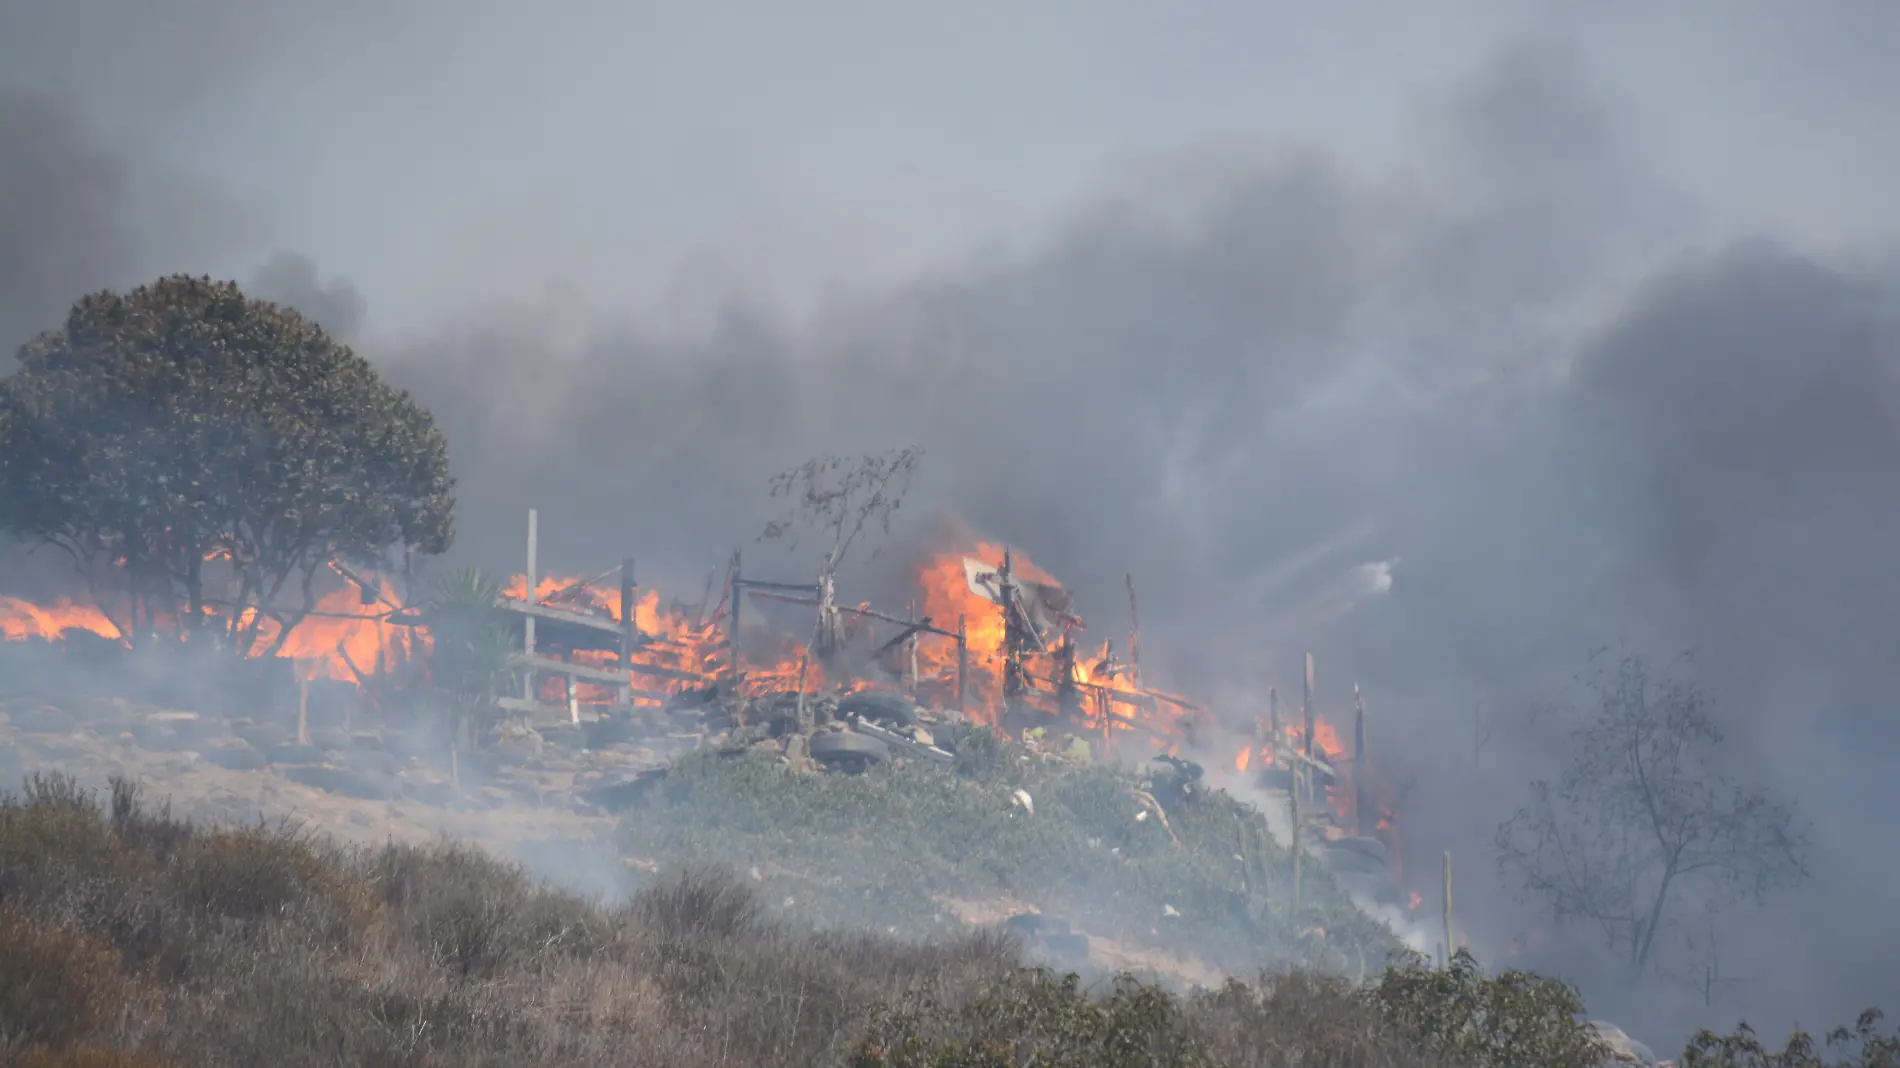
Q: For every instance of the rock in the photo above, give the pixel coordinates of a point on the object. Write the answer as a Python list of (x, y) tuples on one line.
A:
[(520, 740), (1624, 1050)]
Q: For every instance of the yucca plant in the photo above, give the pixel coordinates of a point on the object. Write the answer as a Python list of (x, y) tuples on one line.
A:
[(471, 642)]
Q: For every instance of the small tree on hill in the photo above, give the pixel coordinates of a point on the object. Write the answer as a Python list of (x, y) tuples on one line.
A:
[(1644, 813), (837, 499), (183, 424)]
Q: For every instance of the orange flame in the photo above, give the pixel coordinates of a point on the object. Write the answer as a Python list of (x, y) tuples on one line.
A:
[(23, 620)]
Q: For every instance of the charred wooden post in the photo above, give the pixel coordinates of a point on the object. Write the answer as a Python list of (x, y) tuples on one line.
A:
[(911, 674), (963, 667), (1015, 684), (1359, 764), (1451, 947), (303, 703), (573, 699), (1298, 784), (1273, 714), (629, 632), (805, 726), (1134, 635), (1306, 707), (1068, 692), (527, 632), (732, 627)]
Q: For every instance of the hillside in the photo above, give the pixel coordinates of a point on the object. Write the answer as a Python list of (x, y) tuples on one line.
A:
[(131, 938)]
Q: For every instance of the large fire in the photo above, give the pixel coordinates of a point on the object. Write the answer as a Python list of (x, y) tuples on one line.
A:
[(360, 630)]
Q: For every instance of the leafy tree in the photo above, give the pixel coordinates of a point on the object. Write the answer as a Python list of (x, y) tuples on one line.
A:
[(183, 437), (1862, 1046), (1643, 813)]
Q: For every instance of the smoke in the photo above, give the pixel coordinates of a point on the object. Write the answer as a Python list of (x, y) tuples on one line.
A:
[(1570, 398), (1553, 411), (61, 228), (291, 278)]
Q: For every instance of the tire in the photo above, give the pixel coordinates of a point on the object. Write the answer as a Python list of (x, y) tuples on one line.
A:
[(1370, 847), (879, 707), (842, 747)]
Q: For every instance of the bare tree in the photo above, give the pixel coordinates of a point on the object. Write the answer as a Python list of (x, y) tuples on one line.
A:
[(1644, 816), (838, 499)]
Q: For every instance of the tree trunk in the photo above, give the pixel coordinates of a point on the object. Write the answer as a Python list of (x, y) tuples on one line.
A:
[(1645, 941)]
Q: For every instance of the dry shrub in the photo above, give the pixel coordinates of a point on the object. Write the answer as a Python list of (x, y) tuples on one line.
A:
[(89, 1057), (258, 873), (1303, 1018), (54, 827), (56, 986), (1035, 1018), (706, 901)]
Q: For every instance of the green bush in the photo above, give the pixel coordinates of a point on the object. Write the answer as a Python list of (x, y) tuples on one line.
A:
[(888, 846), (1510, 1020)]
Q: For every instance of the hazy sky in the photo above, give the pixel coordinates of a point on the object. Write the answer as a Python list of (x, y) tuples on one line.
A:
[(635, 155), (1584, 311)]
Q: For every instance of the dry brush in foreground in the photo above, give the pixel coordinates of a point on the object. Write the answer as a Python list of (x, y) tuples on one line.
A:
[(131, 939)]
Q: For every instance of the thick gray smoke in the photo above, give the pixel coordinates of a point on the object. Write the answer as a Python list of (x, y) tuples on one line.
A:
[(1573, 408), (1567, 430)]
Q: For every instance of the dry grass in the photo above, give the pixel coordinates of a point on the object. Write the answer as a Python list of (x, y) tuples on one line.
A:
[(131, 939)]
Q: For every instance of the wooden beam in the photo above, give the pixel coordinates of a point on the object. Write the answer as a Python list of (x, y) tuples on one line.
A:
[(558, 615), (528, 598), (607, 675)]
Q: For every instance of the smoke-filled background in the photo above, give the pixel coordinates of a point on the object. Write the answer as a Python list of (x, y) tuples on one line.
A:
[(1586, 318)]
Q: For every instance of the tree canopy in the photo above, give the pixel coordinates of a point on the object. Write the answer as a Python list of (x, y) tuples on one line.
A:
[(1646, 815), (183, 427)]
